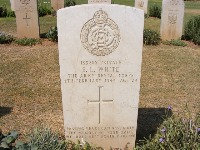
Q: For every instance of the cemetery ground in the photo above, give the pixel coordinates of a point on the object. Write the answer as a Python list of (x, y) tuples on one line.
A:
[(30, 94)]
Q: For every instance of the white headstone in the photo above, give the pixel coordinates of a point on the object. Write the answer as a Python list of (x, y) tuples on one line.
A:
[(26, 12), (100, 55), (142, 4), (172, 19), (12, 5), (99, 1)]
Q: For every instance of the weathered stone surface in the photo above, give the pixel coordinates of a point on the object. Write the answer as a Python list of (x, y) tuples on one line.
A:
[(142, 4), (100, 55), (57, 4), (27, 18), (99, 1), (172, 19)]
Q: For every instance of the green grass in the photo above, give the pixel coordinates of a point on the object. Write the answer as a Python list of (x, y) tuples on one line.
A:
[(48, 5), (121, 2), (188, 4), (124, 2), (152, 23), (46, 23), (8, 24), (192, 5), (6, 2)]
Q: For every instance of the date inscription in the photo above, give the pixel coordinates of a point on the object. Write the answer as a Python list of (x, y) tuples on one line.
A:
[(100, 72)]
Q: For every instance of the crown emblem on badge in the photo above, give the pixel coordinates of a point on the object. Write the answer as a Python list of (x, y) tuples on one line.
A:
[(100, 16)]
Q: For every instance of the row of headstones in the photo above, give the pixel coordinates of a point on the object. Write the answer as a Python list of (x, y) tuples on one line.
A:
[(27, 20), (171, 18), (28, 23), (55, 4)]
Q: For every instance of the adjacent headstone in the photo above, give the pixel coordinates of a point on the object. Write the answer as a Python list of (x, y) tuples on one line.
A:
[(142, 4), (99, 1), (172, 19), (12, 5), (100, 55), (27, 18), (57, 4)]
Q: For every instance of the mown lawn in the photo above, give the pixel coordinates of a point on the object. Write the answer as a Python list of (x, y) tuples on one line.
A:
[(9, 25), (188, 4), (30, 86)]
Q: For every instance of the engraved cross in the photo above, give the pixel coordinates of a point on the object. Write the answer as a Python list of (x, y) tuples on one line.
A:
[(26, 19), (99, 102)]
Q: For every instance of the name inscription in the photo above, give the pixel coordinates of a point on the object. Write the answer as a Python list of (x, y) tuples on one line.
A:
[(100, 72)]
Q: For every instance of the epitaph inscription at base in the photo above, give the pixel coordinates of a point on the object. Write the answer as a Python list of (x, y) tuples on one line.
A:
[(100, 69)]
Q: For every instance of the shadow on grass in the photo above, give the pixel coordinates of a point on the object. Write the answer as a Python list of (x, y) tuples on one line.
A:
[(4, 111), (43, 35), (149, 119)]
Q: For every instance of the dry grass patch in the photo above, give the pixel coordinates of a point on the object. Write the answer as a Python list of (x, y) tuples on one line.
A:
[(152, 23), (31, 87), (171, 76), (192, 11)]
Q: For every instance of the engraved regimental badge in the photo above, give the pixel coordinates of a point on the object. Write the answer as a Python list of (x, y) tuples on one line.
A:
[(100, 35), (172, 18)]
